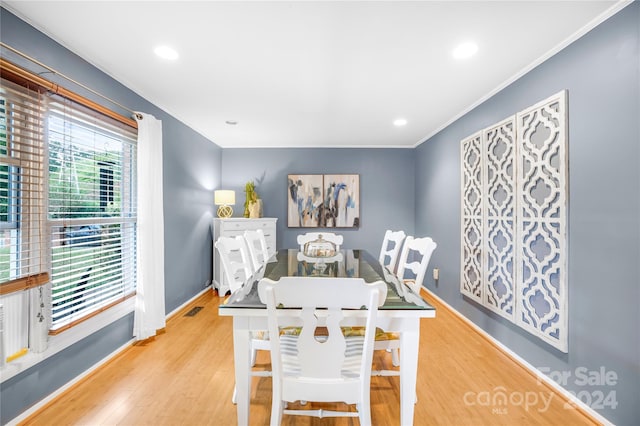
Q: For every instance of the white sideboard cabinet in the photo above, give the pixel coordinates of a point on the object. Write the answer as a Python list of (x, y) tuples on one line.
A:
[(231, 227)]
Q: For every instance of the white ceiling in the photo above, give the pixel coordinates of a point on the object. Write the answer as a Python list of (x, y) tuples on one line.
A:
[(314, 74)]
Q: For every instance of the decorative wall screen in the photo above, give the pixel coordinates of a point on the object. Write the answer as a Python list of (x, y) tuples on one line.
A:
[(514, 212)]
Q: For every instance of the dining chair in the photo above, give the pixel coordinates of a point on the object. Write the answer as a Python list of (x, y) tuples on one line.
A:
[(415, 257), (237, 266), (391, 245), (235, 260), (303, 239), (257, 244), (331, 368)]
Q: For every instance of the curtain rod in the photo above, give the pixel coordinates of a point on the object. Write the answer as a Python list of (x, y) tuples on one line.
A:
[(48, 68)]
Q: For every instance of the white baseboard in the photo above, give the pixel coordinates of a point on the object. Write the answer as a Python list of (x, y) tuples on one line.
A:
[(179, 308), (40, 404), (537, 373)]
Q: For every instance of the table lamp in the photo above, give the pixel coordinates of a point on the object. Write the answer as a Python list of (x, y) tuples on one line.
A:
[(224, 198)]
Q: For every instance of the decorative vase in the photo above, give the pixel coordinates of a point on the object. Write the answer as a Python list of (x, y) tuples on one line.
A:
[(255, 209)]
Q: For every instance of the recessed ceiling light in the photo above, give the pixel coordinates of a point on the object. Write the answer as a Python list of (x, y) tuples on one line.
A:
[(165, 52), (399, 122), (465, 50)]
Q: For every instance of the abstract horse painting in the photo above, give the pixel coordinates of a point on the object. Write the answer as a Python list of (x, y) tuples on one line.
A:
[(304, 201), (341, 201)]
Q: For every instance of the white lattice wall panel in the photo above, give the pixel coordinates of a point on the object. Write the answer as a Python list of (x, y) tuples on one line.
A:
[(499, 212), (471, 232), (542, 206), (513, 228)]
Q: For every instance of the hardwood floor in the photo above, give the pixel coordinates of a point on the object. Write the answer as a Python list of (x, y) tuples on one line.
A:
[(185, 377)]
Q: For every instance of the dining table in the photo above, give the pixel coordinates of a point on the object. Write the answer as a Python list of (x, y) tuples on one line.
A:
[(401, 313)]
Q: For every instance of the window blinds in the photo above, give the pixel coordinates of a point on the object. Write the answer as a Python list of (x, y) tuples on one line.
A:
[(91, 210), (22, 236)]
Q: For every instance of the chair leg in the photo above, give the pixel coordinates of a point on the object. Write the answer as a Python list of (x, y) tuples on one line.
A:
[(364, 411), (395, 357), (254, 353), (276, 412)]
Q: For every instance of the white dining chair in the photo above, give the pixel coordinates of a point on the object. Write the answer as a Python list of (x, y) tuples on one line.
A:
[(331, 368), (334, 238), (237, 266), (257, 244), (415, 257), (390, 249), (235, 260)]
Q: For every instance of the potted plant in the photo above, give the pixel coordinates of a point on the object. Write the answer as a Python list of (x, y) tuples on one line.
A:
[(252, 202)]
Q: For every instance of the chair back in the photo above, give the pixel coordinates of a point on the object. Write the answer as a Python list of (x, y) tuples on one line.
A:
[(327, 368), (235, 260), (312, 236), (257, 244), (415, 257), (391, 245)]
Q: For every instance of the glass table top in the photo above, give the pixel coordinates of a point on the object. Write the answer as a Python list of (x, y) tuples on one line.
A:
[(346, 263)]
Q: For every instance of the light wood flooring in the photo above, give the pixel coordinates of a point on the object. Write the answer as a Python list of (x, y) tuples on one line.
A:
[(185, 377)]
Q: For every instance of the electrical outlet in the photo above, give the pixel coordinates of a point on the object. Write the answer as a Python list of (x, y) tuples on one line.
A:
[(207, 283), (436, 274)]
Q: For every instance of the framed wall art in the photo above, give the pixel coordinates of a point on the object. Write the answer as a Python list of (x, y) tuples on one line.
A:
[(323, 201)]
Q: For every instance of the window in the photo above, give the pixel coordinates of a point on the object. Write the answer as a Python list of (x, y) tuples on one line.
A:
[(91, 210), (21, 183), (67, 203), (22, 236)]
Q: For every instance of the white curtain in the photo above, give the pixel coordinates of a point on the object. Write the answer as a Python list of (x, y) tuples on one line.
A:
[(150, 311)]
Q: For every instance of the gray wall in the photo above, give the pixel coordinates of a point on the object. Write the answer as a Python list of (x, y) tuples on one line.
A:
[(601, 73), (191, 166), (386, 186)]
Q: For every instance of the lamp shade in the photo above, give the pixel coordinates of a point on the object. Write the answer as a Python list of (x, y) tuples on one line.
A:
[(224, 197)]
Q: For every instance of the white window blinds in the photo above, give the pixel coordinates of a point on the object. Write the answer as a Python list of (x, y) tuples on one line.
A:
[(91, 210), (22, 235)]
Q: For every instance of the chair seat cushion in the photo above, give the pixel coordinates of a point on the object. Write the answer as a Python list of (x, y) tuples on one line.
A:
[(260, 335), (264, 335), (380, 333), (346, 331)]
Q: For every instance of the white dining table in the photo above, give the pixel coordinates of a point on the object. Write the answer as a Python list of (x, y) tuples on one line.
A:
[(401, 313)]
